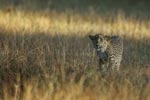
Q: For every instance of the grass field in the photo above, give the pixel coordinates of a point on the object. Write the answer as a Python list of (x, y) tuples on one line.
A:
[(47, 55)]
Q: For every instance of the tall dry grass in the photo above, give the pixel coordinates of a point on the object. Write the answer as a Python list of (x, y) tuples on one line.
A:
[(48, 56), (72, 22)]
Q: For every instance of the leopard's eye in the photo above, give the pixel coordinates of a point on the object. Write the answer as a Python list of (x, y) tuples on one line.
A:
[(101, 39)]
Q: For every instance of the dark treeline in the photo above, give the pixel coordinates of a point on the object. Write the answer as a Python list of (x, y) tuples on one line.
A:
[(75, 2), (104, 7)]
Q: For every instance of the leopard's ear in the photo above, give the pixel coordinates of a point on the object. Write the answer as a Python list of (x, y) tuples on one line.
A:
[(91, 37)]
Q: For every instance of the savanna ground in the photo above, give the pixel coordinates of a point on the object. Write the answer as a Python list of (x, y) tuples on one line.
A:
[(45, 52)]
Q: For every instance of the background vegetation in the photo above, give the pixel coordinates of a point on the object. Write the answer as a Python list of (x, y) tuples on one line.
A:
[(46, 53)]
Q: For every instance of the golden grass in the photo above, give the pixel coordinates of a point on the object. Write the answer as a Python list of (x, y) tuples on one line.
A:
[(75, 91), (70, 22), (48, 56)]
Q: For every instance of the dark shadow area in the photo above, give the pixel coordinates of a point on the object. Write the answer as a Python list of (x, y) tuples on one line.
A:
[(44, 57), (136, 8)]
